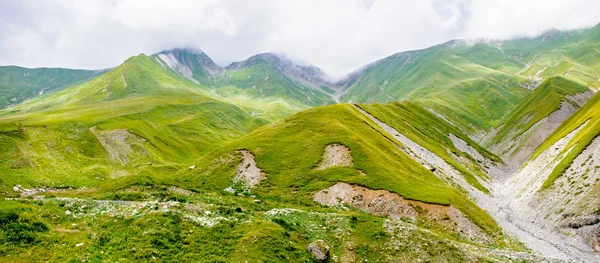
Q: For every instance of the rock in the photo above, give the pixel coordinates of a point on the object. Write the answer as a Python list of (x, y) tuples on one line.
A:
[(229, 190), (378, 202), (67, 212), (591, 234), (17, 188), (192, 167), (319, 249), (79, 244), (583, 221)]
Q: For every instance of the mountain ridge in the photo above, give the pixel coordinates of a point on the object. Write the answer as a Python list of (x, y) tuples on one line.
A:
[(461, 152)]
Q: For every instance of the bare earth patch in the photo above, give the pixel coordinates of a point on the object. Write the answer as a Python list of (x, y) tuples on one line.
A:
[(385, 203), (247, 172), (336, 155), (118, 143)]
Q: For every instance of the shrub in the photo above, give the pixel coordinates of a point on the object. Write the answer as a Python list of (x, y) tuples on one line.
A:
[(18, 230)]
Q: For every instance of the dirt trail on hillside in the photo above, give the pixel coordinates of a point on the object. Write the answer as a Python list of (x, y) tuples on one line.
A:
[(505, 204)]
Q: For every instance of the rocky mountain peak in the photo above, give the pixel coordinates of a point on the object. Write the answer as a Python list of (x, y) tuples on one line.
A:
[(287, 67), (191, 63)]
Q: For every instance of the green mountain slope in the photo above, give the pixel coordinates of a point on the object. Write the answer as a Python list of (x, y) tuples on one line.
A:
[(265, 78), (169, 211), (475, 84), (268, 85), (289, 151), (18, 84), (588, 115), (537, 105), (127, 121), (470, 94), (431, 132), (170, 157), (535, 118)]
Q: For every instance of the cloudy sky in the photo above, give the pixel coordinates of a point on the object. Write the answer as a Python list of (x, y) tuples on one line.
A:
[(336, 35)]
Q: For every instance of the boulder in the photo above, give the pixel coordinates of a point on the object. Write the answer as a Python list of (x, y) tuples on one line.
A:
[(319, 249)]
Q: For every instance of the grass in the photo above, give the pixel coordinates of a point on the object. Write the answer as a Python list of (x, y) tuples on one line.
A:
[(167, 122), (131, 134), (476, 84), (18, 84), (247, 230), (289, 150), (431, 132), (587, 113), (544, 100)]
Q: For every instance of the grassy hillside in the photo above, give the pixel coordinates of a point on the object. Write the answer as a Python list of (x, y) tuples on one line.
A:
[(475, 84), (258, 85), (136, 119), (288, 152), (588, 113), (18, 84), (431, 132), (469, 93), (165, 211), (537, 105)]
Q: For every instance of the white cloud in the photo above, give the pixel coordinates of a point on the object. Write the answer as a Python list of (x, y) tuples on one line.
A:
[(336, 35)]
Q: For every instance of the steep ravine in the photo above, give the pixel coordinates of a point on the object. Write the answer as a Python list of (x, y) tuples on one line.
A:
[(510, 197)]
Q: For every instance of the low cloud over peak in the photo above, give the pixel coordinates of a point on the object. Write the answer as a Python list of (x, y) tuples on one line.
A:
[(338, 36)]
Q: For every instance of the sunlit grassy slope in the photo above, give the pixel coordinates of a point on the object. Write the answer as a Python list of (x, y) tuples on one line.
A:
[(476, 84), (152, 117), (204, 223), (288, 151), (540, 103), (18, 84), (431, 132)]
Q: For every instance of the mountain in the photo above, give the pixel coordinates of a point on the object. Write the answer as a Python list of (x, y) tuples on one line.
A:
[(18, 84), (192, 64), (468, 151), (308, 74), (268, 85), (134, 119), (475, 83), (274, 81), (558, 186), (536, 117)]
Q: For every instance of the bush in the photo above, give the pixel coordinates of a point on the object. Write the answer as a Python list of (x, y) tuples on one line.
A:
[(18, 230)]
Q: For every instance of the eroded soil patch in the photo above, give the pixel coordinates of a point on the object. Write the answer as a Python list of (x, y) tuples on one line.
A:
[(385, 203), (247, 173), (336, 155)]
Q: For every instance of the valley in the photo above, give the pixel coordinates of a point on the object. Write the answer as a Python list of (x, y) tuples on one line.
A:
[(484, 151)]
